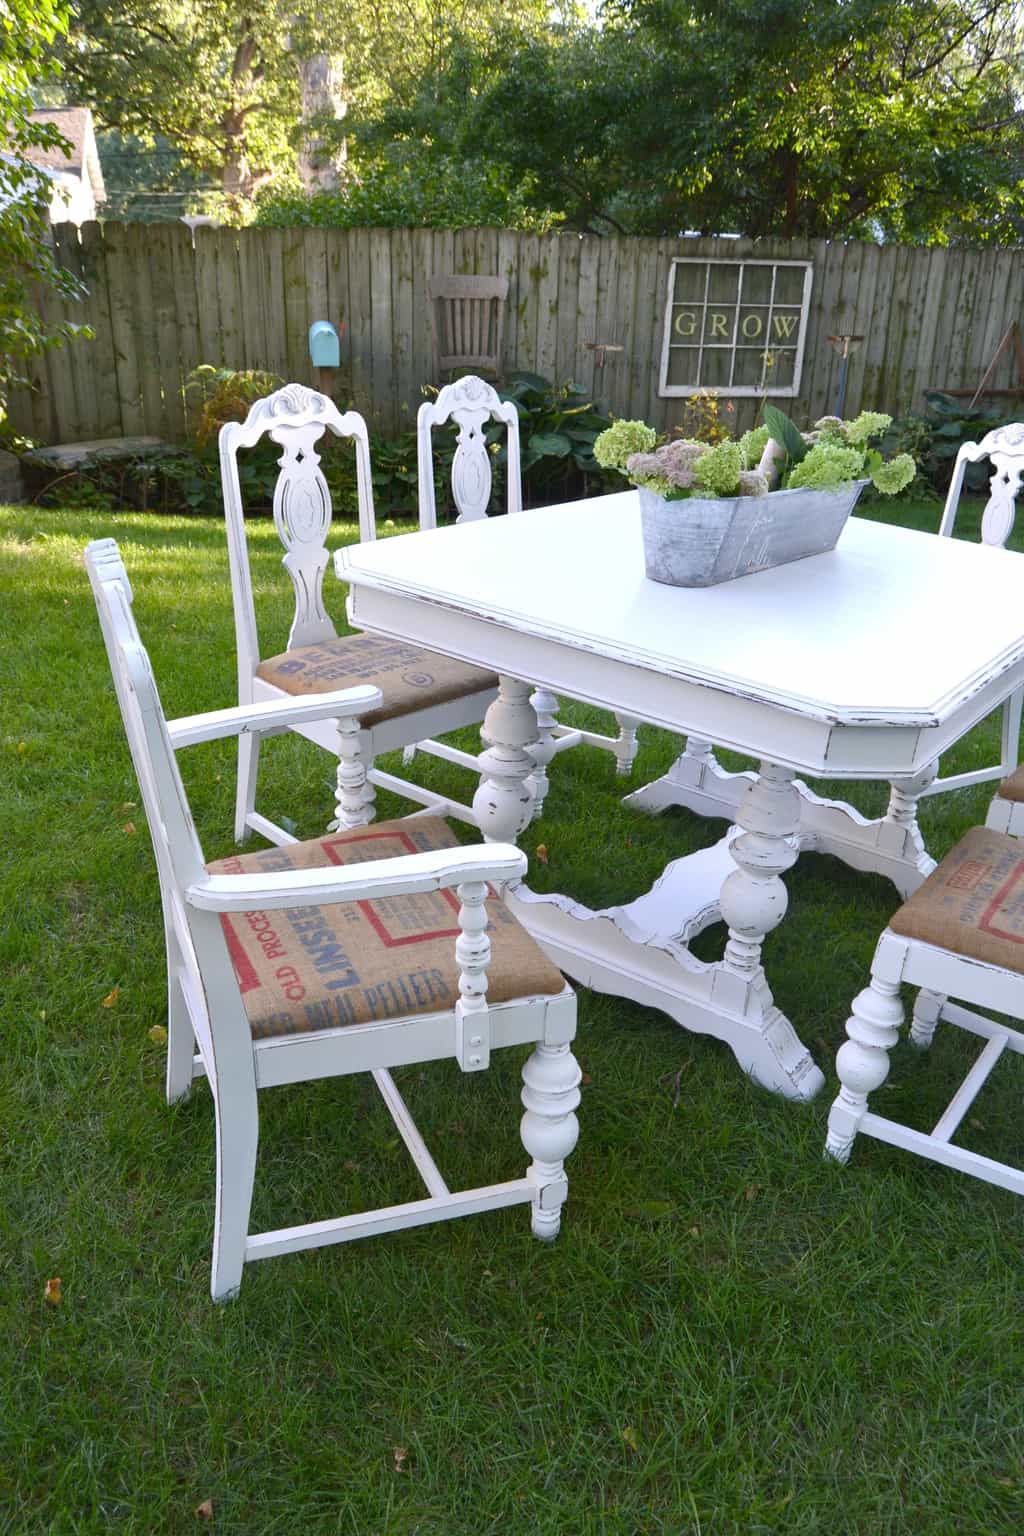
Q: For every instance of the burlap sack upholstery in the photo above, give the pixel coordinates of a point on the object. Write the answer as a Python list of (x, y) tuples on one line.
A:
[(408, 677), (973, 903), (319, 967), (1013, 787)]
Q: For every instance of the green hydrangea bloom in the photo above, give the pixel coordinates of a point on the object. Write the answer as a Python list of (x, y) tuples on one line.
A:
[(827, 466), (827, 429), (752, 445), (620, 441), (867, 425), (895, 476), (718, 470)]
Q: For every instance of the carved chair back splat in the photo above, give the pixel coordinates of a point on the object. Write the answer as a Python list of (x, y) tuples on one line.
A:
[(467, 317), (471, 403), (206, 1006)]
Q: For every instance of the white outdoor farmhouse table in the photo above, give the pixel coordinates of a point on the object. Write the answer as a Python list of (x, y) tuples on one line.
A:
[(863, 663)]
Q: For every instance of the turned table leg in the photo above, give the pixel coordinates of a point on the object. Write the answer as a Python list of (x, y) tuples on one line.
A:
[(503, 803)]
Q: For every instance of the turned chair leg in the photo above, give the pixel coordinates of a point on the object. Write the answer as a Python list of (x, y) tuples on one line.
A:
[(356, 802), (245, 794), (549, 1130), (863, 1062), (928, 1008), (625, 746)]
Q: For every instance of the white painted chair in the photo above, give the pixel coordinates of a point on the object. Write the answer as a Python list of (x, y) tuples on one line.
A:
[(1004, 448), (423, 693), (347, 954), (472, 404), (959, 936)]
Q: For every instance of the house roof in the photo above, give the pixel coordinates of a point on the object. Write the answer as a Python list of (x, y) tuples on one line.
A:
[(75, 125)]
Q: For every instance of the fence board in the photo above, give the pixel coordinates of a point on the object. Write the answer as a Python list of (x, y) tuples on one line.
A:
[(246, 299)]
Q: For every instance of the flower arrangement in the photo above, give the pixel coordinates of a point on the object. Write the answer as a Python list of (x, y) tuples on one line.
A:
[(775, 456)]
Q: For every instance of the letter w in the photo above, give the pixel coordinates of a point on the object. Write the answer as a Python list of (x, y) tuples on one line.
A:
[(784, 325)]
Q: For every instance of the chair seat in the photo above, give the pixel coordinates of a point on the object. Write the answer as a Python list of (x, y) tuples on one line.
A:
[(1013, 787), (409, 678), (309, 968), (973, 902)]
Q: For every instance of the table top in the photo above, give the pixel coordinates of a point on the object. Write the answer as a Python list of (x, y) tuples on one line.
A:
[(892, 627)]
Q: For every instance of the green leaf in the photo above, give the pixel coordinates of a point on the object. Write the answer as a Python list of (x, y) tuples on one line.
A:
[(553, 445), (785, 433)]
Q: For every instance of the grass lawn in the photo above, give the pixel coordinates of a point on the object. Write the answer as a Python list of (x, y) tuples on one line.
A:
[(730, 1336)]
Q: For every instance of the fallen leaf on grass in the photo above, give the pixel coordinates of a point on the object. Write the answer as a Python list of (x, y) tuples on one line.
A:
[(157, 1034), (111, 997), (204, 1511), (401, 1456), (22, 748), (629, 1435), (540, 853), (586, 1079), (52, 1292), (752, 1191), (129, 829)]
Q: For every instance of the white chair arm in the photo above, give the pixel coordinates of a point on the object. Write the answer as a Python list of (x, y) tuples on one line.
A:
[(273, 715), (371, 881)]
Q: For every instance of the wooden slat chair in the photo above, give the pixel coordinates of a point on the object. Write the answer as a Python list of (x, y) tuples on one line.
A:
[(959, 936), (472, 404), (347, 954), (423, 693), (467, 317), (1004, 448)]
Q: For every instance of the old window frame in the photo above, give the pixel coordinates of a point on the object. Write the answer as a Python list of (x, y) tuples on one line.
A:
[(665, 389)]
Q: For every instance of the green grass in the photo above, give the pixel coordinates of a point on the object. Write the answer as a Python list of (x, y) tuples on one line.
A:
[(730, 1336)]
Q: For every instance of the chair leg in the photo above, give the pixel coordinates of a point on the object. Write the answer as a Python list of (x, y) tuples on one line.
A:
[(863, 1062), (1011, 733), (542, 750), (181, 1044), (355, 806), (237, 1140), (625, 746), (245, 794), (925, 1018), (549, 1130)]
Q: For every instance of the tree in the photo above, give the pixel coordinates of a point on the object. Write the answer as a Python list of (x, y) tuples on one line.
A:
[(27, 29)]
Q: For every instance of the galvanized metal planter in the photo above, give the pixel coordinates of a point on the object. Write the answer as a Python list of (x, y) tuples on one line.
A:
[(698, 543)]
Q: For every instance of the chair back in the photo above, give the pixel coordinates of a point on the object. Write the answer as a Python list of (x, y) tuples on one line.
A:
[(468, 323), (295, 418), (471, 403), (198, 957), (1004, 448)]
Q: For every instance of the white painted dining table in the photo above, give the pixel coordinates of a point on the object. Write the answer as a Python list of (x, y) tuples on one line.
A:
[(866, 662)]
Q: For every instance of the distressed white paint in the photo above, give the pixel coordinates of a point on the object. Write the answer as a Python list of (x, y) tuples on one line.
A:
[(816, 666), (205, 1007)]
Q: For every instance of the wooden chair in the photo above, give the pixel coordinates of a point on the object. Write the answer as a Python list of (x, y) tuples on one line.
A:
[(467, 317), (959, 936), (347, 954), (1005, 449), (472, 404), (423, 693)]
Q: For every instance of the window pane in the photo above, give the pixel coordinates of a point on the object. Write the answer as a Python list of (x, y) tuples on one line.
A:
[(723, 282), (720, 324), (686, 321), (789, 285), (781, 368), (715, 367), (682, 365), (785, 327), (688, 282), (757, 285)]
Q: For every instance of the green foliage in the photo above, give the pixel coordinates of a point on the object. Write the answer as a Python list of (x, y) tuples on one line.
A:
[(27, 29), (215, 396), (702, 417), (752, 445), (934, 438), (419, 188), (559, 425), (785, 433)]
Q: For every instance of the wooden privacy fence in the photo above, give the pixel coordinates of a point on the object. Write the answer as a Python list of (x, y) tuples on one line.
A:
[(930, 317)]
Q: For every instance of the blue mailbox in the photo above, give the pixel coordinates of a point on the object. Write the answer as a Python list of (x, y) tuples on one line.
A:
[(324, 345)]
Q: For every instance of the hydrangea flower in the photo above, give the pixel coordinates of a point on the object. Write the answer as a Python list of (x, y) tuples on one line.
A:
[(895, 476), (623, 438), (867, 425), (752, 445), (718, 470), (827, 466)]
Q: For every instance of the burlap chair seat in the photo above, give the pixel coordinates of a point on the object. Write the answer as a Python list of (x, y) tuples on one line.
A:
[(1013, 787), (409, 678), (973, 902), (308, 968)]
